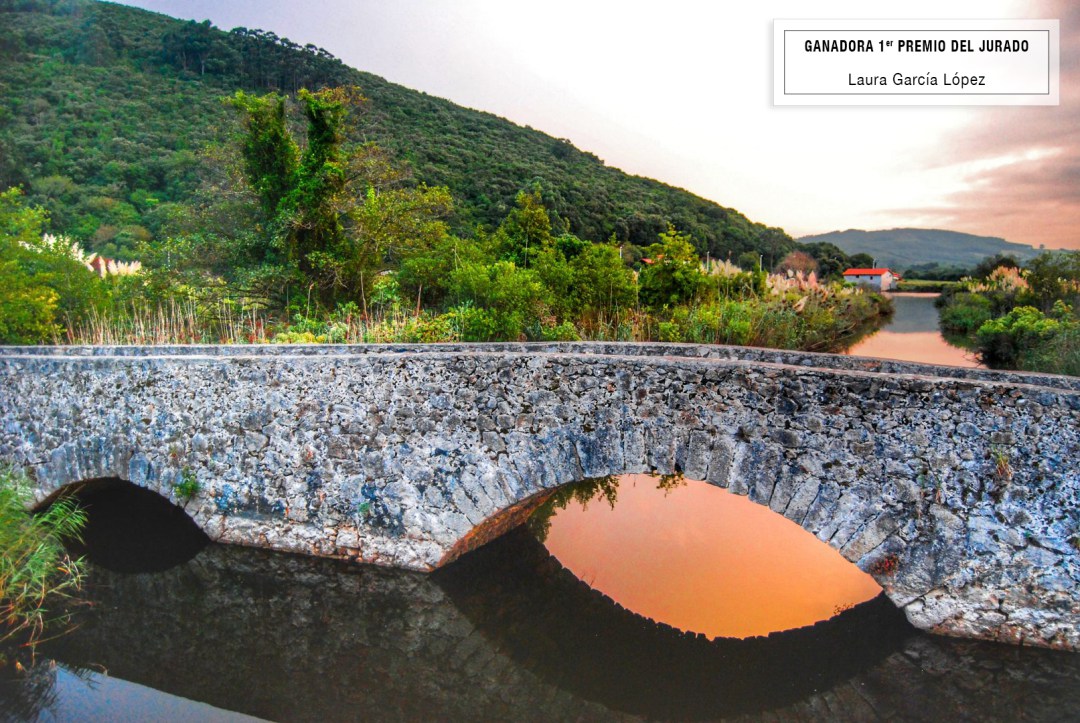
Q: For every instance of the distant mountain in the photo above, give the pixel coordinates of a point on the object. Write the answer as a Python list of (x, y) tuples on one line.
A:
[(902, 248)]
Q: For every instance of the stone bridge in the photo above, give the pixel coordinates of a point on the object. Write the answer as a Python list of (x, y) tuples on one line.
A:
[(957, 489)]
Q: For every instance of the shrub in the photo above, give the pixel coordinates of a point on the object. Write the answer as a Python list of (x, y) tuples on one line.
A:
[(473, 324), (1025, 329), (674, 274), (965, 313), (36, 573), (565, 331), (1058, 355)]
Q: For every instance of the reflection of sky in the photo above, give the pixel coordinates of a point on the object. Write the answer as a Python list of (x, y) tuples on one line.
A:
[(705, 560), (913, 335), (914, 313), (96, 697)]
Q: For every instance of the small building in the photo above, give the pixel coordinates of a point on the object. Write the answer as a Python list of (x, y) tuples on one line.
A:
[(877, 279)]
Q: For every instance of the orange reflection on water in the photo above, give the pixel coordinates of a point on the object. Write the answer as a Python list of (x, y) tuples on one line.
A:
[(927, 347), (704, 560)]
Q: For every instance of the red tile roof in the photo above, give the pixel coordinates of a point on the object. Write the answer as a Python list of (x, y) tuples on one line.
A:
[(867, 272)]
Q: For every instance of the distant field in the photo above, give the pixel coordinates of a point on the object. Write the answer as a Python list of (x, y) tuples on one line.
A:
[(925, 286)]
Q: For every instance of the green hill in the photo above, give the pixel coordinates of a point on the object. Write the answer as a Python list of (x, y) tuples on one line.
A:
[(107, 108), (903, 248)]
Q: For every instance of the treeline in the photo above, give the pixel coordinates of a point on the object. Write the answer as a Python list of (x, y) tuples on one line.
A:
[(108, 110)]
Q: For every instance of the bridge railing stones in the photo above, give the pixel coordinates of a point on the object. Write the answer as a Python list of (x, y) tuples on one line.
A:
[(957, 489), (700, 351)]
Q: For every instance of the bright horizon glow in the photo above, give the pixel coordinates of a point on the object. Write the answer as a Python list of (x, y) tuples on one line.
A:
[(683, 95)]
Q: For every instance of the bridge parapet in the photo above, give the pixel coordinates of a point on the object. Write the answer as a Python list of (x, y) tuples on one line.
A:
[(957, 489)]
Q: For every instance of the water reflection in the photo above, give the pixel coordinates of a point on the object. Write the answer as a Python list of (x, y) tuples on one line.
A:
[(506, 633), (697, 557), (913, 334)]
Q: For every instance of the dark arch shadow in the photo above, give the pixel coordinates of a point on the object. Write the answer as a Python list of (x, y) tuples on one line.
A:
[(130, 529), (580, 640)]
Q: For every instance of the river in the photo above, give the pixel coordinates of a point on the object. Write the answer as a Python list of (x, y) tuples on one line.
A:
[(913, 334), (510, 632)]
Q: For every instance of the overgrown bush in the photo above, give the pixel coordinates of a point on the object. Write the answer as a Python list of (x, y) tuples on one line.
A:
[(965, 313), (37, 576), (1025, 334)]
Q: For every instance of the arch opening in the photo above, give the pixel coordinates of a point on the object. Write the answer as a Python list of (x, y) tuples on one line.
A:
[(130, 529), (691, 555), (540, 614)]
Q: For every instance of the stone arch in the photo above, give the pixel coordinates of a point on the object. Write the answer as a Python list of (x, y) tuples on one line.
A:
[(394, 454), (95, 463), (130, 528), (755, 466)]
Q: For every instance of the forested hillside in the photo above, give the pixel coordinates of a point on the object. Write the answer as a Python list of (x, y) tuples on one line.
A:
[(108, 111)]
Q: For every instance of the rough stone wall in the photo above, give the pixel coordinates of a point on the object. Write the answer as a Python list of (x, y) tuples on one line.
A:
[(959, 491)]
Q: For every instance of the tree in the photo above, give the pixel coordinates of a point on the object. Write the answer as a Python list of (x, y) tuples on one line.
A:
[(796, 261), (985, 267), (41, 281), (27, 306), (333, 211), (674, 275), (189, 47), (603, 281), (861, 261), (268, 150), (310, 214), (831, 260), (526, 229), (1055, 276)]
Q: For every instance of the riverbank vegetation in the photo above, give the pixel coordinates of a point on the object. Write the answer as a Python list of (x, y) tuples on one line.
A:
[(308, 237), (37, 576), (1021, 317)]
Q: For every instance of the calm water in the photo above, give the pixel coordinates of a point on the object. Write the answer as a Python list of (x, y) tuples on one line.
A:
[(505, 633), (913, 334), (701, 559)]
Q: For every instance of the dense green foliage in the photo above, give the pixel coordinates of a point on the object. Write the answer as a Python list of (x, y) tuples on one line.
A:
[(36, 574), (43, 286), (1027, 338), (107, 109), (301, 215), (1021, 318), (965, 313), (673, 275)]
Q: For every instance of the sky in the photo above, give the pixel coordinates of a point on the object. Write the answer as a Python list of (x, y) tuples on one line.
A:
[(681, 91)]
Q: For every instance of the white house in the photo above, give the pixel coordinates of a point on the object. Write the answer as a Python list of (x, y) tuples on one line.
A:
[(877, 279)]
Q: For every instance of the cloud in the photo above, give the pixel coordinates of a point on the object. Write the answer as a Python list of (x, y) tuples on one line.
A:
[(1024, 177)]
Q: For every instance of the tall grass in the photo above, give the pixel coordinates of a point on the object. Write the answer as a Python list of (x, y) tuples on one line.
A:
[(174, 322), (37, 576), (813, 319)]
